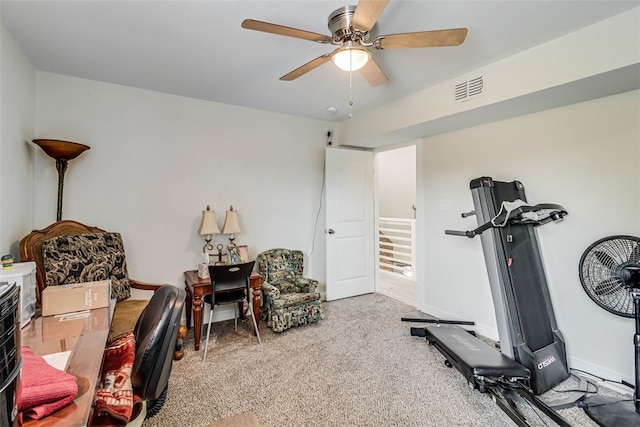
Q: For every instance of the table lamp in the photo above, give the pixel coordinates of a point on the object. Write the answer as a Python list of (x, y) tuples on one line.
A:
[(62, 151), (208, 227), (231, 225)]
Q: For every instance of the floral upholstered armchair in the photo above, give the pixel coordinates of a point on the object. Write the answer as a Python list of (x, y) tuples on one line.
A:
[(289, 299)]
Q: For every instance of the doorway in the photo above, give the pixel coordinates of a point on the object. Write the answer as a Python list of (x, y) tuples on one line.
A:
[(396, 212)]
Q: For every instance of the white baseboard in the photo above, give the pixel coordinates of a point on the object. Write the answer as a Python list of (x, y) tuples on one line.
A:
[(598, 371)]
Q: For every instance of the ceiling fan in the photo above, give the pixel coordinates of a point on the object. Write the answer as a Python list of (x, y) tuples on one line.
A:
[(350, 27)]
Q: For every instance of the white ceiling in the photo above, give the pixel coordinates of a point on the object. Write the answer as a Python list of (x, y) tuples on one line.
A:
[(198, 49)]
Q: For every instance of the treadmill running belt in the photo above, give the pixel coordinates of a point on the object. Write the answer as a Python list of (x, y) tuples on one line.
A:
[(476, 357), (525, 271)]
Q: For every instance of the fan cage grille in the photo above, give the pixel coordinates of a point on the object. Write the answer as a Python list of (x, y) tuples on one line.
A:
[(600, 273)]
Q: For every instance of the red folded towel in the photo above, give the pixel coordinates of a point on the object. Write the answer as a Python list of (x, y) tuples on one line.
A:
[(43, 388)]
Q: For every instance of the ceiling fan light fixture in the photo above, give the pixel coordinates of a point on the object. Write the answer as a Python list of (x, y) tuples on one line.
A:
[(350, 58)]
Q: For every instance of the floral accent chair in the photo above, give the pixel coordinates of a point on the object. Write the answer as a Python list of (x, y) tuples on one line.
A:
[(288, 299)]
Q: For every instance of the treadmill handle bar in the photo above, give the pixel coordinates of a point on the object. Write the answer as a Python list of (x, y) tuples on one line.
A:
[(470, 234), (550, 213)]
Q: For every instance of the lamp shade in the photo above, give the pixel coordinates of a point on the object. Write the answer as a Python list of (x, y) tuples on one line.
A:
[(208, 224), (231, 225), (350, 58), (58, 149)]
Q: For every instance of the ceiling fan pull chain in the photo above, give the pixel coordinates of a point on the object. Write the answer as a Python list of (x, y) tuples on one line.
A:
[(350, 115)]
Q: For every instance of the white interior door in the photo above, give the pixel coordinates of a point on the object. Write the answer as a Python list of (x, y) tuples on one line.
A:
[(349, 222)]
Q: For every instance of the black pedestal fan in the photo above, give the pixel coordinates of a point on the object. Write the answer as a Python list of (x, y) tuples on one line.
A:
[(610, 274)]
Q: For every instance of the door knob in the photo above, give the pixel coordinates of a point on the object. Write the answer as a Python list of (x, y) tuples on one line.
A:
[(330, 231)]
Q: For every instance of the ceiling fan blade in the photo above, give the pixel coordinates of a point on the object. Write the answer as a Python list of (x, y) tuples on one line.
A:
[(266, 27), (373, 73), (367, 14), (314, 63), (451, 37)]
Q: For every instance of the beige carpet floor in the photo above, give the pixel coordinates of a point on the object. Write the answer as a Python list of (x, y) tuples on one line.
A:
[(245, 419), (359, 367)]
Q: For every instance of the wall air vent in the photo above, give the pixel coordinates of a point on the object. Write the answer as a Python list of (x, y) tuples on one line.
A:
[(468, 89)]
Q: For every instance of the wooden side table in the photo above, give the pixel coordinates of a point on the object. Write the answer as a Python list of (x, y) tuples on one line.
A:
[(197, 288)]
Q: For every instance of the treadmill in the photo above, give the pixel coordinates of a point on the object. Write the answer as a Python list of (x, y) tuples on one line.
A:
[(532, 357), (526, 322)]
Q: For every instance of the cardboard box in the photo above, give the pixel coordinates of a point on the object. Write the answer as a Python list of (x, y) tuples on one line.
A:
[(75, 297)]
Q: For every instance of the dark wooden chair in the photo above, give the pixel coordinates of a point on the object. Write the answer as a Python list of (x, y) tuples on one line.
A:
[(230, 286), (31, 249)]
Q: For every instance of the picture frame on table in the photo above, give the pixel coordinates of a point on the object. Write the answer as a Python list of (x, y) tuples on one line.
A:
[(233, 254), (244, 253)]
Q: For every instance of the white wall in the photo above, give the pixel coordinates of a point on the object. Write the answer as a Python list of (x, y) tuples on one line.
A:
[(396, 182), (157, 160), (585, 157), (571, 65), (17, 117)]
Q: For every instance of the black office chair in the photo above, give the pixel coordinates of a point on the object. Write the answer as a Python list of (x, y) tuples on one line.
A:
[(230, 285), (156, 334)]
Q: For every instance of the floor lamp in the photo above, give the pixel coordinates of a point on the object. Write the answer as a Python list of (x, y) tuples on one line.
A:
[(62, 152)]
